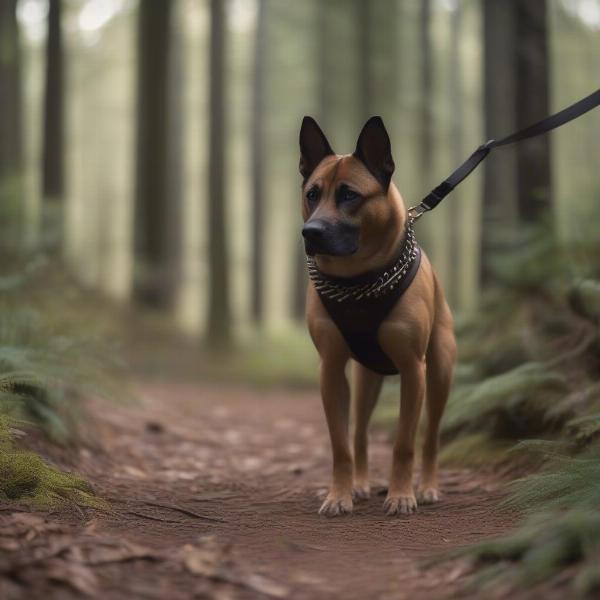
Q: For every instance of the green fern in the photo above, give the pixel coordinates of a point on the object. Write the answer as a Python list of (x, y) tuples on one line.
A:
[(42, 377), (563, 526), (42, 374), (509, 404)]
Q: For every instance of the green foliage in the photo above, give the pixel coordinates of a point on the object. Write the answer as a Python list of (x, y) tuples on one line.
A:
[(474, 450), (569, 481), (529, 360), (42, 373), (584, 429), (563, 527), (540, 258), (507, 405)]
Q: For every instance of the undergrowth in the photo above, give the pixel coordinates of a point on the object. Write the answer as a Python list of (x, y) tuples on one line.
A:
[(530, 368), (562, 528), (44, 374), (529, 360)]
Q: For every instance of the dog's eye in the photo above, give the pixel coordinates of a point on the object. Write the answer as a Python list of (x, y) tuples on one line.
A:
[(312, 195), (348, 195)]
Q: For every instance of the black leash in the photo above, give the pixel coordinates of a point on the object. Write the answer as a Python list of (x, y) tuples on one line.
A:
[(548, 124)]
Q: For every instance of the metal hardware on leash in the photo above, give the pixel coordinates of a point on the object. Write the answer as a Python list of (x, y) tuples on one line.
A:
[(416, 212)]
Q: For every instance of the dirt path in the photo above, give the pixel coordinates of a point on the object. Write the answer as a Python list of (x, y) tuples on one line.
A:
[(214, 494)]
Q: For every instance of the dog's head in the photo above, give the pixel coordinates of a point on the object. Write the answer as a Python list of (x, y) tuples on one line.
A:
[(345, 202)]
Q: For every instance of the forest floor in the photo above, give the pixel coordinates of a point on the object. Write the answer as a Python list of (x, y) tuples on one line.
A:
[(213, 492)]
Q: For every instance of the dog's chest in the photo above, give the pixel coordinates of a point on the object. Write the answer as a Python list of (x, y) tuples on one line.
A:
[(359, 320)]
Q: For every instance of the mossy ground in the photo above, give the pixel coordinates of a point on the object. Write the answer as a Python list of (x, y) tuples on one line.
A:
[(26, 478)]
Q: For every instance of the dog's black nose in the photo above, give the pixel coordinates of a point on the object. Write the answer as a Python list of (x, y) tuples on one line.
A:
[(331, 238), (314, 231)]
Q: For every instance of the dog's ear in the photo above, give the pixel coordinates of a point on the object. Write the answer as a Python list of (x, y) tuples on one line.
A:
[(314, 146), (375, 151)]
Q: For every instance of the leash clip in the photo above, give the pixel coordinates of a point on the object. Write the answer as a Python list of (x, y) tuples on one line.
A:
[(416, 212)]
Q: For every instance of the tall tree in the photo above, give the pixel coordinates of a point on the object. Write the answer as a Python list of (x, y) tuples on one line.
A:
[(258, 167), (532, 104), (426, 87), (10, 93), (499, 209), (365, 59), (219, 326), (517, 183), (425, 111), (53, 186), (11, 159), (323, 63), (325, 84), (384, 71), (455, 68), (158, 197)]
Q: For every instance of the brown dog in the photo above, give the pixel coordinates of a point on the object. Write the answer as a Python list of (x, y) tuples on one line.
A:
[(355, 227)]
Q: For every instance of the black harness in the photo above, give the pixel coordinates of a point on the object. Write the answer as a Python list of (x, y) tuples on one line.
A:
[(359, 305)]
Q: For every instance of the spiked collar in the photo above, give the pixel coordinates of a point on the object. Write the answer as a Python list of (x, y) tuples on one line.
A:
[(373, 284)]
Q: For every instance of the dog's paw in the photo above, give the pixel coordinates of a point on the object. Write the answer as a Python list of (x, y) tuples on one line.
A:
[(428, 495), (336, 505), (361, 491), (400, 505)]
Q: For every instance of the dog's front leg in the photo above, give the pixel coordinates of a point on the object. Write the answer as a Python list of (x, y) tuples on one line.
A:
[(401, 497), (336, 402)]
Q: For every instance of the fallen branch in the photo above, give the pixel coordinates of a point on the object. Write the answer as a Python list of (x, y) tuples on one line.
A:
[(185, 511), (151, 518)]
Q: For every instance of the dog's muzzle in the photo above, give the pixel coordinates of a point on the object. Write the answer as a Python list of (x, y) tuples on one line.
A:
[(331, 238)]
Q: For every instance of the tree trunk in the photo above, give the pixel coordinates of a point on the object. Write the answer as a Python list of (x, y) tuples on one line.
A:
[(158, 196), (258, 168), (425, 116), (532, 104), (517, 180), (365, 78), (176, 160), (455, 69), (323, 67), (53, 150), (218, 331), (426, 91), (499, 209), (11, 141), (11, 149)]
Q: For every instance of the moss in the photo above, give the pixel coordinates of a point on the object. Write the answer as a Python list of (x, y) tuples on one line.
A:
[(25, 477)]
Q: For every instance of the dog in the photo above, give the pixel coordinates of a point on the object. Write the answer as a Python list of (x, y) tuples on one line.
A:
[(373, 297)]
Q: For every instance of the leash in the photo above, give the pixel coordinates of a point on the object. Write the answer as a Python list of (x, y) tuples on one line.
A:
[(463, 171)]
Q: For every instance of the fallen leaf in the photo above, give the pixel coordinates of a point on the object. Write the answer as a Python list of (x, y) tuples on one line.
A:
[(10, 545), (263, 585), (134, 472), (75, 575), (205, 560), (101, 552)]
